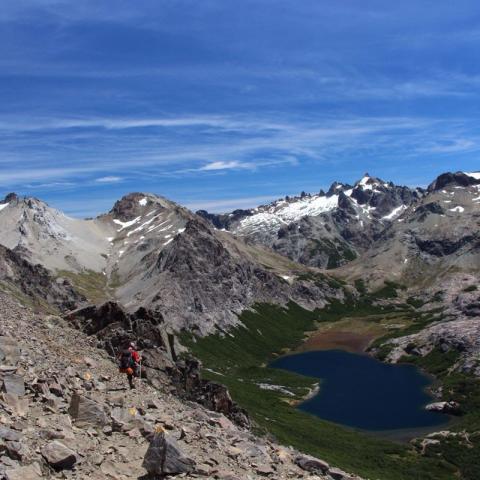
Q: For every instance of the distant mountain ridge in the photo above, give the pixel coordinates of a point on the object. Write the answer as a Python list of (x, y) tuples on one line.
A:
[(150, 252), (323, 230), (198, 271)]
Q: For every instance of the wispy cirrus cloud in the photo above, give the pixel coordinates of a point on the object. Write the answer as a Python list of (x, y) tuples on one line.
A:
[(171, 99)]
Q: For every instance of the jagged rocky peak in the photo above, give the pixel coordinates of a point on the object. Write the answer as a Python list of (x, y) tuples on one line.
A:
[(10, 197), (335, 188), (457, 179)]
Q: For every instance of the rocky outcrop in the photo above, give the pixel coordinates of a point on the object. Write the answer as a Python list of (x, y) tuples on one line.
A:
[(114, 328), (214, 396), (443, 407), (35, 282)]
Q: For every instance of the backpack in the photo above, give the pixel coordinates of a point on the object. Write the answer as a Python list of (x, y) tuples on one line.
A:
[(126, 359)]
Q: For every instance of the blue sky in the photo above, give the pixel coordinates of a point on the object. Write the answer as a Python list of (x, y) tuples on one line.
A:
[(221, 104)]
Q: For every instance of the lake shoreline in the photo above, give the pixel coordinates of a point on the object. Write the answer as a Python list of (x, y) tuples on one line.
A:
[(363, 394)]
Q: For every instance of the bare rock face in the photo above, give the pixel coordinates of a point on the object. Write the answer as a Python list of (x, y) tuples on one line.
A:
[(443, 407), (13, 385), (164, 457)]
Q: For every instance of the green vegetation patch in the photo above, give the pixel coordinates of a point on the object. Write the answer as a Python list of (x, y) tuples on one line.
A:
[(239, 359), (462, 450), (92, 285), (337, 251)]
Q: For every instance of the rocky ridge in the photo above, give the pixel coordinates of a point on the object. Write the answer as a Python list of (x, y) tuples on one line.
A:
[(149, 252), (326, 229), (65, 413)]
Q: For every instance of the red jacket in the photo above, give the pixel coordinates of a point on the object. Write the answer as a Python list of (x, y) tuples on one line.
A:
[(135, 355)]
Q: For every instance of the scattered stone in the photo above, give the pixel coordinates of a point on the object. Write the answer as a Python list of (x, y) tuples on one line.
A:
[(18, 406)]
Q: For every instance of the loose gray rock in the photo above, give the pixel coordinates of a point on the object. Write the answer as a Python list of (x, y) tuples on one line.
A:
[(14, 384), (86, 411), (10, 435), (164, 457), (59, 456), (312, 464)]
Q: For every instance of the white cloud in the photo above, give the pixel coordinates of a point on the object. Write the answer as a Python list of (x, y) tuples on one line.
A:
[(109, 179), (227, 165)]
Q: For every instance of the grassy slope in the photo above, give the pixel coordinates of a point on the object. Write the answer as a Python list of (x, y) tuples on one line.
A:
[(238, 358), (465, 389), (92, 285)]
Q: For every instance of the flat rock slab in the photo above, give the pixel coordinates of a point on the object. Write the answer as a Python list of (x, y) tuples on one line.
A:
[(10, 435), (14, 384)]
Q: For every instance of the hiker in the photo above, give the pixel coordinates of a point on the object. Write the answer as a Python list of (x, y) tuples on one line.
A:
[(129, 363)]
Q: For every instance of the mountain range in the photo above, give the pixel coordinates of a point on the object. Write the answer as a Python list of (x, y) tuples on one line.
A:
[(239, 288), (198, 271)]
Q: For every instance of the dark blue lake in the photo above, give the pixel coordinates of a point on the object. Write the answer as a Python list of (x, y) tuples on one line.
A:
[(361, 392)]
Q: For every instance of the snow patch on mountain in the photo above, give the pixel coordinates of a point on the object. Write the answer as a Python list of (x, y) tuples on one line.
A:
[(457, 209), (284, 212), (395, 212), (124, 225), (475, 175), (3, 205)]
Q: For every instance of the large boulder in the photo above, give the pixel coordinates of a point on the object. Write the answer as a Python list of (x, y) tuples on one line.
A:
[(59, 456), (86, 411), (164, 457), (312, 464), (443, 407)]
